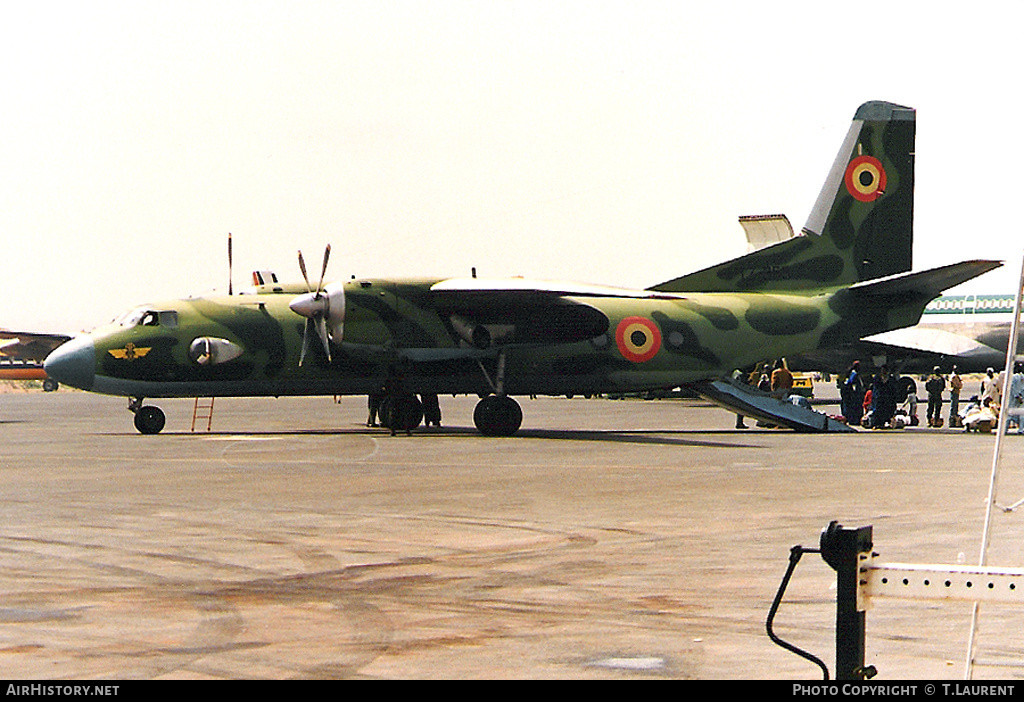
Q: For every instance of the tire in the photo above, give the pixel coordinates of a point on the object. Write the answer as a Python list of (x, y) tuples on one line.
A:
[(408, 413), (498, 415), (150, 420)]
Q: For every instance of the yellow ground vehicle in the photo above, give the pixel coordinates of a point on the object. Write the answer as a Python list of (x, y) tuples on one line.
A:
[(803, 384)]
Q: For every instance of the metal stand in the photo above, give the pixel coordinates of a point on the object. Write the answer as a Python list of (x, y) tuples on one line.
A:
[(845, 550), (860, 580), (795, 554)]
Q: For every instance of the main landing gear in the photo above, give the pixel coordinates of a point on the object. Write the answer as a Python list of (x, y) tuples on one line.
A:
[(148, 419), (497, 414), (406, 415)]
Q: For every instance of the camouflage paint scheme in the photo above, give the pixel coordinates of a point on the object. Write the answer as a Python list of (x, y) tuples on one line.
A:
[(851, 234), (971, 332), (519, 337), (391, 323)]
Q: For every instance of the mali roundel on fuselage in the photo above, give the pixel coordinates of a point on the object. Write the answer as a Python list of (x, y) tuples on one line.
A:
[(638, 339)]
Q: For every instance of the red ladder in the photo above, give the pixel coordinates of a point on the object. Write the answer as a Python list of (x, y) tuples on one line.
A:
[(203, 409)]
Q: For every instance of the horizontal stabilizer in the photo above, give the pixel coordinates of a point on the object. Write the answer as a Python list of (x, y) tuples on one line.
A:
[(928, 284), (937, 342), (751, 402)]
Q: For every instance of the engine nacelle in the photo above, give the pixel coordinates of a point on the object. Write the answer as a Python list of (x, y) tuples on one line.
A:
[(481, 336), (335, 315), (471, 332)]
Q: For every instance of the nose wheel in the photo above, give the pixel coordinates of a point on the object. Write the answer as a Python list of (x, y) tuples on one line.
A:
[(148, 419), (498, 415)]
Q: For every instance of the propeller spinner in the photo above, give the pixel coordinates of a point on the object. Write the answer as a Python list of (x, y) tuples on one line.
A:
[(323, 308)]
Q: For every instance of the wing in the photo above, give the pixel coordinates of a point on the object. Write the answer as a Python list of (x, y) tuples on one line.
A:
[(542, 289), (29, 345), (487, 313)]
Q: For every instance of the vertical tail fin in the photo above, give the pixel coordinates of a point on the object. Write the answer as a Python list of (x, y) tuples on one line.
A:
[(860, 228)]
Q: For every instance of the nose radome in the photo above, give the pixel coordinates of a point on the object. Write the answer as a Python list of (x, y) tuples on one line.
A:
[(73, 363)]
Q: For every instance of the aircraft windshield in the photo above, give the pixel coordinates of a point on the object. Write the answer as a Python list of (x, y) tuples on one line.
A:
[(169, 319), (130, 318), (148, 318)]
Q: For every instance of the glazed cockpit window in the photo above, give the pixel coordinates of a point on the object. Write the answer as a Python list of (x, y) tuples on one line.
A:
[(169, 319), (146, 317), (130, 318)]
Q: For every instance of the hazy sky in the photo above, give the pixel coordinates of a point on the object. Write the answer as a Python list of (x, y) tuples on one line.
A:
[(604, 142)]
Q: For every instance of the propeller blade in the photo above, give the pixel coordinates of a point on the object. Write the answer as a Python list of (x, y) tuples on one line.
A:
[(315, 325), (231, 277), (323, 271), (314, 306), (305, 342), (321, 329), (302, 267)]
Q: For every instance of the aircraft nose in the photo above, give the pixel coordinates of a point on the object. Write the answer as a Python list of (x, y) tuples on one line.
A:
[(73, 363)]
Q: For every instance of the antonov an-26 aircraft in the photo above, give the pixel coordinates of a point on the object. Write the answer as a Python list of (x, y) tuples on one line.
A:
[(500, 338)]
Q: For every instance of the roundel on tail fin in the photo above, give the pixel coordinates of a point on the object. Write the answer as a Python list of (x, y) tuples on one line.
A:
[(865, 178)]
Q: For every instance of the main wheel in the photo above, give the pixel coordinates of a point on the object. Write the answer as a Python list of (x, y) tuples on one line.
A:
[(407, 414), (498, 415), (150, 420)]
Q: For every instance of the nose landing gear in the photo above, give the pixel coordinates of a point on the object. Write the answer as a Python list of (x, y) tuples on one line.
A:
[(148, 419)]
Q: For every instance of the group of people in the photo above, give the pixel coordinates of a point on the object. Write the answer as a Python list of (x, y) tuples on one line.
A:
[(772, 377), (982, 411), (872, 401), (881, 401), (875, 402)]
